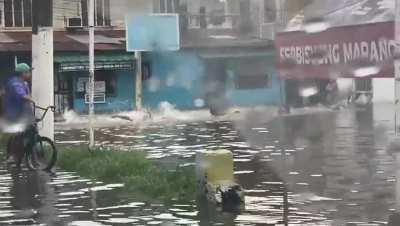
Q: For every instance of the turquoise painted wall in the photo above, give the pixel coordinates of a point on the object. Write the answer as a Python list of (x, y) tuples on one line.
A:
[(122, 101), (272, 95), (254, 97), (176, 78)]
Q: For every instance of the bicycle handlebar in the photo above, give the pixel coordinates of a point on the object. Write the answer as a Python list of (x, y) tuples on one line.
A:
[(46, 109)]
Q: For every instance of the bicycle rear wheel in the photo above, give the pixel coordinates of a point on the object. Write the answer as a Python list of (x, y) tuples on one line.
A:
[(43, 155)]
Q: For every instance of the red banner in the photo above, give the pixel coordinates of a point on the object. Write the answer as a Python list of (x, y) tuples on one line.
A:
[(337, 52)]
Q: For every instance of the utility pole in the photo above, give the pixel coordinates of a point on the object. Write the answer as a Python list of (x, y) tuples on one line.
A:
[(397, 68), (397, 96), (91, 73), (138, 96), (42, 61)]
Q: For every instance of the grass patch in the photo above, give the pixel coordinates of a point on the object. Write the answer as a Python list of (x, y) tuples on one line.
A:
[(142, 177), (3, 140)]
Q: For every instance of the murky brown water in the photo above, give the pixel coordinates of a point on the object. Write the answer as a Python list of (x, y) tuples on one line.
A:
[(335, 166)]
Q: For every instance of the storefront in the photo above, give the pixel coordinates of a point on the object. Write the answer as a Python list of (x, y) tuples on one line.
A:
[(349, 42), (114, 82), (225, 77), (360, 53)]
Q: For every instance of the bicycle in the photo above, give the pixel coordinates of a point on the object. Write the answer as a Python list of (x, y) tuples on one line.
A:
[(40, 152)]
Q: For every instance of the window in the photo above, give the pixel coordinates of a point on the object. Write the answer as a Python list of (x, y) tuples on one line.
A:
[(17, 13), (110, 80), (252, 81), (363, 85), (217, 15), (169, 6), (106, 83), (102, 13), (146, 71), (84, 8), (269, 11)]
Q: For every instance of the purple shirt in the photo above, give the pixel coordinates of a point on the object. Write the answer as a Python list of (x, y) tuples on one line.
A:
[(15, 104)]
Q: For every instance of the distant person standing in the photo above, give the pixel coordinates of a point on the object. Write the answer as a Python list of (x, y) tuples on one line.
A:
[(17, 99), (331, 92)]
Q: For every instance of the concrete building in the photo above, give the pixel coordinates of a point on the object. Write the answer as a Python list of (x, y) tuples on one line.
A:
[(226, 53), (369, 23)]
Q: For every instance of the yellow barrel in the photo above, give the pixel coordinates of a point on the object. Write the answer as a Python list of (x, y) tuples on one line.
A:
[(215, 167)]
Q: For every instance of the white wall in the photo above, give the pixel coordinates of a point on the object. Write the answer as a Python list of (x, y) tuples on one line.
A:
[(63, 9), (345, 87), (120, 8), (383, 89)]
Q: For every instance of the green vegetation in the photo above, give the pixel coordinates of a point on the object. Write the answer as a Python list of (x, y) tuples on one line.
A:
[(3, 140), (142, 177)]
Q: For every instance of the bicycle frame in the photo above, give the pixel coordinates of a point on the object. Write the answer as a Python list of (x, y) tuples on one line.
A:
[(32, 131)]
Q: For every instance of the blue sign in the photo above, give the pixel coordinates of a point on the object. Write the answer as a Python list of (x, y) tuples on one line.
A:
[(156, 32)]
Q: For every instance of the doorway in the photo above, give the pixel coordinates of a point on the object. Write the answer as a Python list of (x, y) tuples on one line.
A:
[(63, 93)]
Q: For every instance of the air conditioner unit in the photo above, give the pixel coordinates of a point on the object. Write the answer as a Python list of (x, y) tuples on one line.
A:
[(74, 23)]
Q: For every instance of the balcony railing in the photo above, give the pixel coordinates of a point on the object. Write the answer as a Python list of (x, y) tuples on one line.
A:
[(217, 25), (212, 21), (260, 26)]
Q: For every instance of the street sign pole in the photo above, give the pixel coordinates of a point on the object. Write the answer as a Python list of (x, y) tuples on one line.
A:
[(91, 73), (148, 34)]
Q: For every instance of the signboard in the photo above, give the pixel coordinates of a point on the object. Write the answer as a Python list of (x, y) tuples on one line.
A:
[(156, 32), (83, 85), (99, 86), (68, 67), (99, 98), (337, 50)]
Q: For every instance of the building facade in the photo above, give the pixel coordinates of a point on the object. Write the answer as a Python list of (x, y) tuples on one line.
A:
[(226, 56), (226, 51), (366, 28)]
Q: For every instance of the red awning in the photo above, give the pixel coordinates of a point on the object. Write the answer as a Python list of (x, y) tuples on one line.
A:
[(348, 51)]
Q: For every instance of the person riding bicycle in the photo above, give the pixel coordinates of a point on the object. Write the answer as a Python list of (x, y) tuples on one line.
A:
[(18, 110), (18, 101), (39, 151)]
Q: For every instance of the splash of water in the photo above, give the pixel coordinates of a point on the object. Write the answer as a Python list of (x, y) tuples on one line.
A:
[(70, 116), (366, 71), (315, 25), (199, 103), (154, 84), (309, 91)]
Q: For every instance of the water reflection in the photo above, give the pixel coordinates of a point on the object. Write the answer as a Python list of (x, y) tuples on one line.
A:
[(324, 168), (31, 198)]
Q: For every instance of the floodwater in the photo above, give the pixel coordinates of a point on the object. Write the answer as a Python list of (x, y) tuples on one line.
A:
[(325, 168)]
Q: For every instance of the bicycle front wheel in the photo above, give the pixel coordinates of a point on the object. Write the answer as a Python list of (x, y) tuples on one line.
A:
[(43, 155)]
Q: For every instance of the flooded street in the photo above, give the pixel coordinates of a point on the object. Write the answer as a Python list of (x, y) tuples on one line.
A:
[(333, 168)]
